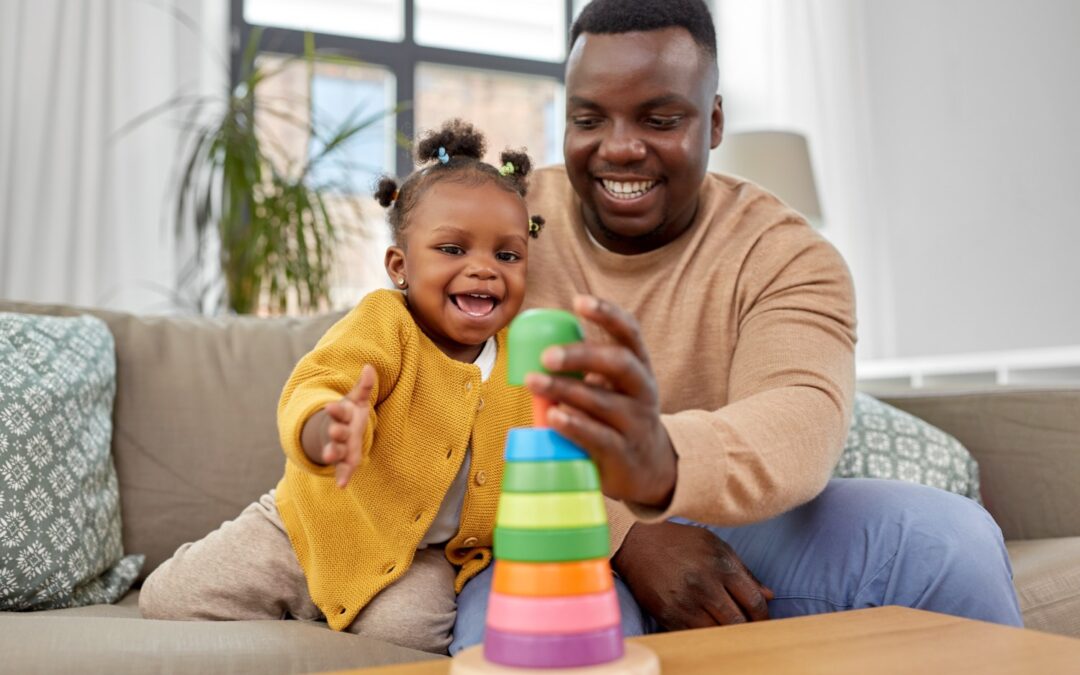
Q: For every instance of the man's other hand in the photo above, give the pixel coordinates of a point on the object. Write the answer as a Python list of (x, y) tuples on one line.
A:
[(687, 577)]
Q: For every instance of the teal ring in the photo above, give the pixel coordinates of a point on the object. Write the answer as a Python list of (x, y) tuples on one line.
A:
[(538, 444)]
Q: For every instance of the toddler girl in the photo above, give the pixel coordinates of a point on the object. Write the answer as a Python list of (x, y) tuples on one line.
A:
[(393, 427)]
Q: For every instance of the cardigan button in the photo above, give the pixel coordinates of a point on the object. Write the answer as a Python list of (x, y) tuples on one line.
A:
[(480, 404), (471, 541), (480, 477), (468, 386)]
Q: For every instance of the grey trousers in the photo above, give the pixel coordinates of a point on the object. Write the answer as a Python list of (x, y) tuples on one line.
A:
[(246, 569)]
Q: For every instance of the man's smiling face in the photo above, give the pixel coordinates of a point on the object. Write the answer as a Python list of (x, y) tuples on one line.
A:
[(641, 116)]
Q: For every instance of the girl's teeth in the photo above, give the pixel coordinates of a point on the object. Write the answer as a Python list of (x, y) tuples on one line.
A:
[(627, 190), (475, 304)]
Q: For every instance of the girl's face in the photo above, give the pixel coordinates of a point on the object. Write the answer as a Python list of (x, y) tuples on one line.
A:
[(463, 261)]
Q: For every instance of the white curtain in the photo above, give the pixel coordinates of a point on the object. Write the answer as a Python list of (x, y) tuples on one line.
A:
[(800, 65), (84, 213)]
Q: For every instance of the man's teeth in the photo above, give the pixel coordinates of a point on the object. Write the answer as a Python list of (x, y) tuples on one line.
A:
[(627, 190)]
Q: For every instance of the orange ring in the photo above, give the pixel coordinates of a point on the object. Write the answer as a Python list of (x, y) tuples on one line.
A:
[(555, 578), (540, 407)]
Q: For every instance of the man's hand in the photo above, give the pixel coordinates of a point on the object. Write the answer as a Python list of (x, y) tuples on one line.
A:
[(614, 415), (686, 577), (340, 426)]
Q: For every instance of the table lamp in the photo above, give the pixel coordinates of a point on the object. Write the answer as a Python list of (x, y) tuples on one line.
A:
[(778, 161)]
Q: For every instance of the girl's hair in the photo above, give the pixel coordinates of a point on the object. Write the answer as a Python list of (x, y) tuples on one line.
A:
[(452, 153)]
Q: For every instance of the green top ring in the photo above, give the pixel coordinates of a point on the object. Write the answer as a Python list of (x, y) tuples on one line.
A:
[(531, 333)]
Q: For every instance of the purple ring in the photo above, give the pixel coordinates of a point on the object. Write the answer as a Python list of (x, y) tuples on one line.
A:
[(529, 650)]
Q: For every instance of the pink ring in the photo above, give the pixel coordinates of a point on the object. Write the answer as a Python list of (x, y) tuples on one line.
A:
[(560, 614)]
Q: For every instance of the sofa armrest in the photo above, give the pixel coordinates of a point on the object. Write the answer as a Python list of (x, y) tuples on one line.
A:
[(1027, 443)]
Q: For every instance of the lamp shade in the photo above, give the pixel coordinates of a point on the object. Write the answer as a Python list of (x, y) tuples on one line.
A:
[(778, 161)]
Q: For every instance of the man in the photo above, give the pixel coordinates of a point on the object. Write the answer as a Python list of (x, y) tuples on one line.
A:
[(720, 365)]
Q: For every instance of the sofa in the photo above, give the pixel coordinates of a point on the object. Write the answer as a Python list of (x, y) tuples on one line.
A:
[(194, 441)]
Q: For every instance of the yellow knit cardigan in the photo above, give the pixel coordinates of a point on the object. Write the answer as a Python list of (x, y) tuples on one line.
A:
[(427, 408)]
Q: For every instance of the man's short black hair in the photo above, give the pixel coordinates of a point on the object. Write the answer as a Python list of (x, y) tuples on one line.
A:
[(628, 16)]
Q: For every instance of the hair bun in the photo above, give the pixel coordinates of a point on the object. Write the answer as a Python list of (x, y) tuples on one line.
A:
[(457, 137), (386, 191)]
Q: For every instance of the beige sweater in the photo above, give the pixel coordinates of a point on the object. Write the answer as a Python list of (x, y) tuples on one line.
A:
[(749, 319)]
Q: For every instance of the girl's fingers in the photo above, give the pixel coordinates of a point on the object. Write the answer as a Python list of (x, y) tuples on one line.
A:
[(341, 411), (337, 432), (362, 391), (343, 472), (332, 453)]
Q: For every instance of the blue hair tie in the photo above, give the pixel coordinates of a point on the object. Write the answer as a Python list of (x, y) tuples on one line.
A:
[(443, 157)]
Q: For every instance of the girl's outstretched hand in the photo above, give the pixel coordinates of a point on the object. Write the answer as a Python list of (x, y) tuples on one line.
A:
[(344, 426)]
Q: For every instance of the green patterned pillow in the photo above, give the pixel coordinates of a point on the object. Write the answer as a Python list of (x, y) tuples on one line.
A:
[(60, 540), (885, 442)]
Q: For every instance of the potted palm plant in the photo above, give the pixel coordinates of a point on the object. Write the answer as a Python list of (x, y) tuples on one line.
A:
[(264, 237)]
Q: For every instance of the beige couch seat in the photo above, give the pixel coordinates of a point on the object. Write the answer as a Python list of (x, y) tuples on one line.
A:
[(115, 639)]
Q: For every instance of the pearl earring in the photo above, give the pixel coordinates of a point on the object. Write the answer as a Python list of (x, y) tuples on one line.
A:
[(401, 281)]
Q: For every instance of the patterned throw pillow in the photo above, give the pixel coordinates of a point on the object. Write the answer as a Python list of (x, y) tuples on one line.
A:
[(885, 442), (60, 540)]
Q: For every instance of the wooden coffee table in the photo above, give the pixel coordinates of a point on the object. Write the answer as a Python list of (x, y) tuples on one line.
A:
[(879, 640)]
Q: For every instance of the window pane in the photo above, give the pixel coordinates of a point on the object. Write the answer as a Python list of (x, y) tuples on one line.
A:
[(339, 92), (529, 29), (378, 19), (512, 110), (348, 96)]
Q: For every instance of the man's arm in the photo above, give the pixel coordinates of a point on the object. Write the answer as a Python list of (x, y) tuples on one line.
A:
[(771, 448), (790, 386)]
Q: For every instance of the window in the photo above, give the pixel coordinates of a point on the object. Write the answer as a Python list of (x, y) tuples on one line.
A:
[(344, 95), (512, 110), (531, 29), (497, 64), (377, 19)]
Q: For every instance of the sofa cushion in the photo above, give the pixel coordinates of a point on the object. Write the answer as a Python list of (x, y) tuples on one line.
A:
[(194, 426), (1046, 573), (1027, 443), (885, 442), (60, 542)]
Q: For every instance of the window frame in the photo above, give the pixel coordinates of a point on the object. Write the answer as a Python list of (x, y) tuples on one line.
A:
[(400, 58)]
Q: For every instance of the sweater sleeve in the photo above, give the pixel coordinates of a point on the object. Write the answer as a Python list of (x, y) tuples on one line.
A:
[(372, 333), (791, 382)]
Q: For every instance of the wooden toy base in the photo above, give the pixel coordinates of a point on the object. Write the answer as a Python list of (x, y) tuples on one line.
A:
[(637, 660)]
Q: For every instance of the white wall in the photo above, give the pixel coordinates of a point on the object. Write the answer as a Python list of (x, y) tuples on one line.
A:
[(975, 121)]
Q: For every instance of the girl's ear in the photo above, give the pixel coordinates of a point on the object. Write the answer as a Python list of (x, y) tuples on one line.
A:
[(395, 266)]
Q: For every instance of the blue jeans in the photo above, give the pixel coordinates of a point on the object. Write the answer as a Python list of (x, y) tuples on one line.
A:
[(860, 543)]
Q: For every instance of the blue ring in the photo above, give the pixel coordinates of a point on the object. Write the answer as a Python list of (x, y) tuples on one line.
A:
[(529, 444)]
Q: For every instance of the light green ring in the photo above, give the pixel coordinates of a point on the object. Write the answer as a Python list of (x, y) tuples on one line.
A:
[(551, 510)]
